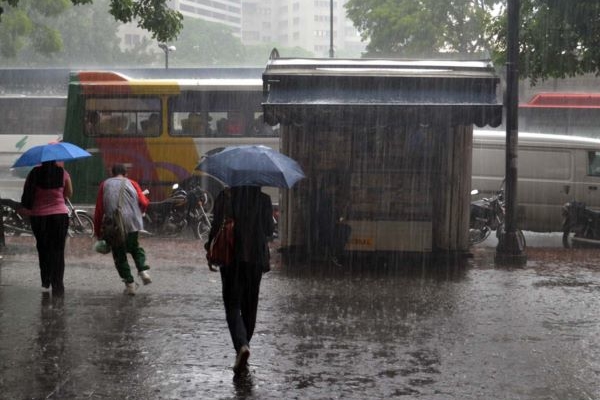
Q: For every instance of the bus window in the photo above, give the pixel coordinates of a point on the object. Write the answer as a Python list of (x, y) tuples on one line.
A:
[(594, 163), (235, 124), (151, 125), (259, 128), (218, 122), (222, 113), (126, 116), (190, 124)]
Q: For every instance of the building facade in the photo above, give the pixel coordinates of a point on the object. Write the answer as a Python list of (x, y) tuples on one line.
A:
[(286, 23), (228, 12), (301, 23)]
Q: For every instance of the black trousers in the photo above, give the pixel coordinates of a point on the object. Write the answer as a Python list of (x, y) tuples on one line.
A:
[(50, 233), (241, 286)]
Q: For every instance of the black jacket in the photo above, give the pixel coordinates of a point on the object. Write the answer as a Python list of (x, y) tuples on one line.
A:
[(252, 212)]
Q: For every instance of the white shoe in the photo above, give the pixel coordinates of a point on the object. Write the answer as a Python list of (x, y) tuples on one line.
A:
[(130, 288), (145, 277)]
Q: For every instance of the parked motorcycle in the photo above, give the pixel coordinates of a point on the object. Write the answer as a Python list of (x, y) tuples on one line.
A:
[(182, 209), (16, 223), (487, 215), (581, 225)]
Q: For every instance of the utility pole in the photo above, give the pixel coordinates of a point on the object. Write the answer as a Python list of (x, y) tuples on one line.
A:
[(511, 245), (331, 29)]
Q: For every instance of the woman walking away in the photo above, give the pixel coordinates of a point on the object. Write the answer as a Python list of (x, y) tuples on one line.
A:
[(46, 188), (252, 212)]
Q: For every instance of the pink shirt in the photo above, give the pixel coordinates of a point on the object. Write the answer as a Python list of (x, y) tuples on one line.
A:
[(50, 201)]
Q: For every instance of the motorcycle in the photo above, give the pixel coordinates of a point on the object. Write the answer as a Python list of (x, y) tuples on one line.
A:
[(184, 208), (581, 225), (16, 222), (486, 215)]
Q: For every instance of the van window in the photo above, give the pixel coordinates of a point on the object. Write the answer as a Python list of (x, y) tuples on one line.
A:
[(594, 163), (533, 164)]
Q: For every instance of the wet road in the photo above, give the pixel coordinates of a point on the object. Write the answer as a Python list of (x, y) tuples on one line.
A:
[(476, 332)]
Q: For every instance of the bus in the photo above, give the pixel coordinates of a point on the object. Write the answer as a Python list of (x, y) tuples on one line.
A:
[(26, 121), (159, 128)]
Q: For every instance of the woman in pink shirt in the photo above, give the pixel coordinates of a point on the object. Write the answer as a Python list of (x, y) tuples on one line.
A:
[(46, 188)]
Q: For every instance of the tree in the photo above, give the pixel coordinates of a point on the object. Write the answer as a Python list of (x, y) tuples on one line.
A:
[(89, 38), (204, 43), (23, 20), (408, 28), (557, 38)]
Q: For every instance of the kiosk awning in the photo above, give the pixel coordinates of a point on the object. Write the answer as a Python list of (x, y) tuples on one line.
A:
[(299, 90)]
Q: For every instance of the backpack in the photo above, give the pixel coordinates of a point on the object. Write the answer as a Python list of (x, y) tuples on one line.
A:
[(113, 229), (113, 226)]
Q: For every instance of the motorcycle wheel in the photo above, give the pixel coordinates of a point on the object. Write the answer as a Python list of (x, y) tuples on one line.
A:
[(478, 234), (202, 229), (570, 241), (568, 235), (81, 225), (14, 225), (567, 239)]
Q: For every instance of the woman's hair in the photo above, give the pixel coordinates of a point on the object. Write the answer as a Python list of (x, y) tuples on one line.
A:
[(48, 175)]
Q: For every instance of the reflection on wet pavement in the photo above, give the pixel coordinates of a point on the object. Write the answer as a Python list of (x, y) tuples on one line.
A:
[(478, 332)]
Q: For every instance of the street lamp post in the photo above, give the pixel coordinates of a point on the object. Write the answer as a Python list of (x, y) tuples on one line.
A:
[(511, 246), (330, 28), (166, 49)]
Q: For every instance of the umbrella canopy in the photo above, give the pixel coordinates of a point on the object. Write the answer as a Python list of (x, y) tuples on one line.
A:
[(61, 151), (252, 166)]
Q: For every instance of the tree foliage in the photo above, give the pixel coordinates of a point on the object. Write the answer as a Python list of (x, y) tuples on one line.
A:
[(408, 28), (88, 37), (203, 43), (24, 21), (557, 38)]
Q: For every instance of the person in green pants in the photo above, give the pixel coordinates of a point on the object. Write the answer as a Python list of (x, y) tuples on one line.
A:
[(120, 191)]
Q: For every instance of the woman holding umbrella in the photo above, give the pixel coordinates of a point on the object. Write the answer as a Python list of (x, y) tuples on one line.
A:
[(252, 212), (46, 188), (245, 169), (44, 193)]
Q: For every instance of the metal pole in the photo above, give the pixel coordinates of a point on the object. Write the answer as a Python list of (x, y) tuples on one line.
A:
[(511, 246), (167, 58), (331, 29)]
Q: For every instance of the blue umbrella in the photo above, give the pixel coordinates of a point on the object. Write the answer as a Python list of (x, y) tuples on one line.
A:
[(252, 166), (61, 151)]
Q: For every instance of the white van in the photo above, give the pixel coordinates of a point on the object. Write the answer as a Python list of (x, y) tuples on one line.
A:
[(552, 170)]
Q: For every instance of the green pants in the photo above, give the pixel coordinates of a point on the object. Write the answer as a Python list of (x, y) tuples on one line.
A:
[(120, 257)]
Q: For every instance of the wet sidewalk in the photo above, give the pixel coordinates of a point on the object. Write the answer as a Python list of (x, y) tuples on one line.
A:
[(325, 333)]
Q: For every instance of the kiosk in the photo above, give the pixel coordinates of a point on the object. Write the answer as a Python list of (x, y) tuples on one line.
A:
[(386, 147)]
